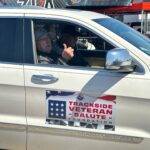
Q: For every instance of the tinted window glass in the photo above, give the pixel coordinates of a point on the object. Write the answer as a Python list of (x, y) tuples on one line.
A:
[(11, 40)]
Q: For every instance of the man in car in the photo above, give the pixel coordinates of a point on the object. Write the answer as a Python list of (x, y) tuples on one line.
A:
[(47, 50)]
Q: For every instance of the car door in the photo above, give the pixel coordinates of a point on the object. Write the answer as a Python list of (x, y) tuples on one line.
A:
[(83, 107), (12, 91)]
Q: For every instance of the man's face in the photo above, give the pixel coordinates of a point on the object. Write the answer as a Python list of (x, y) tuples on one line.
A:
[(44, 44)]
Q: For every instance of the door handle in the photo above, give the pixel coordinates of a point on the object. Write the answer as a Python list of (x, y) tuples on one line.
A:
[(43, 79)]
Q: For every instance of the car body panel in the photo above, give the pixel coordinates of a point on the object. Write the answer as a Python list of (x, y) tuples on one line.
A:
[(12, 107), (86, 82)]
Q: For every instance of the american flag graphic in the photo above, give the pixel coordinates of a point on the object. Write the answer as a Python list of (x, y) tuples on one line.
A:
[(57, 109)]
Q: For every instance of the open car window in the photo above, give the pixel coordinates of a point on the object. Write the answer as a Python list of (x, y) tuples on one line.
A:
[(53, 37)]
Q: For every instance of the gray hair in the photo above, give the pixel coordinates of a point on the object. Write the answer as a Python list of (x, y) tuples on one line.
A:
[(40, 33)]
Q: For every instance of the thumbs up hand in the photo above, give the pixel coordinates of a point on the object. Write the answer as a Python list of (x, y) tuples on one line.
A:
[(68, 52)]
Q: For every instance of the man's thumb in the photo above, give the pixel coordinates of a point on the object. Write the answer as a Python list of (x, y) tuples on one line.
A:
[(65, 46)]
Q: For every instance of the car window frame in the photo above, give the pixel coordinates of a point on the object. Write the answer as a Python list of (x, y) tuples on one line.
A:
[(71, 22), (92, 29)]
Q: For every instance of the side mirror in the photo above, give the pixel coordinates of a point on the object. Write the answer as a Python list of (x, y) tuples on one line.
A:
[(119, 59)]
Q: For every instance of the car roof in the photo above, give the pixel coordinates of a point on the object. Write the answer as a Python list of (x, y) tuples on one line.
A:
[(61, 12)]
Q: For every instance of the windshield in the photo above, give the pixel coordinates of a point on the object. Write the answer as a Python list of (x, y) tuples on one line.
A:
[(127, 33)]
